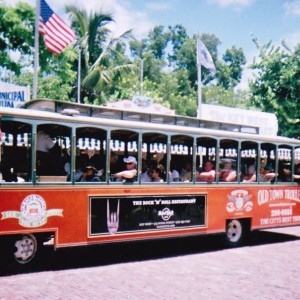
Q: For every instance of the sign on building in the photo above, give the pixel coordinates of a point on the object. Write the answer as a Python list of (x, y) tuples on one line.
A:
[(267, 122), (11, 95)]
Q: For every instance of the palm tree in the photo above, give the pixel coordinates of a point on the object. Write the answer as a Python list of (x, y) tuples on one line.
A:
[(102, 60)]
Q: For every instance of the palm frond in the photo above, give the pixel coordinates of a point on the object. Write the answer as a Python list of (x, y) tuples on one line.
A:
[(123, 68), (79, 19), (91, 79), (97, 23)]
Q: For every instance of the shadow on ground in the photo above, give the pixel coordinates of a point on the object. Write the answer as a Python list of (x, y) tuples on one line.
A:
[(107, 254)]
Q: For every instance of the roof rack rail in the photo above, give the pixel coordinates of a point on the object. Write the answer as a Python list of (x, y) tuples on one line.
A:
[(121, 114)]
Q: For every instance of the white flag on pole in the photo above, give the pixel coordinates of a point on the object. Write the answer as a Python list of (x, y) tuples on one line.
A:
[(204, 58)]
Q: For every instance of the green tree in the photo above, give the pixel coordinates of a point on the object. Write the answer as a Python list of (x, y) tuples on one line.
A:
[(158, 41), (230, 71), (217, 95), (16, 57), (178, 36), (177, 84), (50, 86), (99, 66), (276, 87), (176, 91), (152, 51), (152, 67), (16, 27)]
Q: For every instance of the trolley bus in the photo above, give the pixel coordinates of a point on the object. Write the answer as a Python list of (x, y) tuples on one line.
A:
[(44, 203)]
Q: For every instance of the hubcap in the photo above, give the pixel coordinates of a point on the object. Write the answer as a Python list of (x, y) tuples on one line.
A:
[(26, 248), (234, 231)]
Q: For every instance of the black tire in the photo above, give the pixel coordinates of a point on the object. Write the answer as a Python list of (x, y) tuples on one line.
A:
[(20, 252), (236, 231)]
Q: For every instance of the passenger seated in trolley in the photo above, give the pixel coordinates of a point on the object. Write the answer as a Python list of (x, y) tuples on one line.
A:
[(157, 174), (145, 177), (48, 155), (114, 163), (266, 174), (208, 175), (90, 175), (7, 172), (228, 174), (173, 173), (285, 172), (130, 174), (251, 174), (186, 172)]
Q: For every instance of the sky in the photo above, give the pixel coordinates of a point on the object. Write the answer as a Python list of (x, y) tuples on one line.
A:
[(232, 21)]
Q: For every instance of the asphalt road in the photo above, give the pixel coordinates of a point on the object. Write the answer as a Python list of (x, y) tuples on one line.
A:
[(187, 268)]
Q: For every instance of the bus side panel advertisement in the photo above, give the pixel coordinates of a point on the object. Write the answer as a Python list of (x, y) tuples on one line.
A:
[(111, 215), (281, 207), (267, 206)]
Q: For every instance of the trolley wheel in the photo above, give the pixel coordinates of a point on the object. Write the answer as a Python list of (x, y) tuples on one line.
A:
[(26, 247), (235, 233)]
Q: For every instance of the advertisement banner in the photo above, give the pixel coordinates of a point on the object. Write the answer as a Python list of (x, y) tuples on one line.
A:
[(114, 215)]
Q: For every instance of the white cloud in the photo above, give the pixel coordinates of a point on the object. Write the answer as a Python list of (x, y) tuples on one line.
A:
[(235, 3), (125, 16), (159, 6), (293, 39), (292, 8)]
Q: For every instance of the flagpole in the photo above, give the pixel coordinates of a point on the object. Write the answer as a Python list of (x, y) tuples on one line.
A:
[(141, 76), (79, 74), (36, 50), (199, 80)]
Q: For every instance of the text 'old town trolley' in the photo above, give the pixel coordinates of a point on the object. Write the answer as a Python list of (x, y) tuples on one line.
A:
[(74, 175)]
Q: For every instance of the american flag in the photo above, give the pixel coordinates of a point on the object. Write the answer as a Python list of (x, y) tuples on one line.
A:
[(57, 34)]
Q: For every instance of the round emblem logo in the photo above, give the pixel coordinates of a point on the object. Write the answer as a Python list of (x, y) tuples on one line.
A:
[(33, 208), (166, 214)]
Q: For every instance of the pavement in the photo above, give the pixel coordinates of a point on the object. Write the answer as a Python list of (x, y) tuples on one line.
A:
[(195, 268)]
